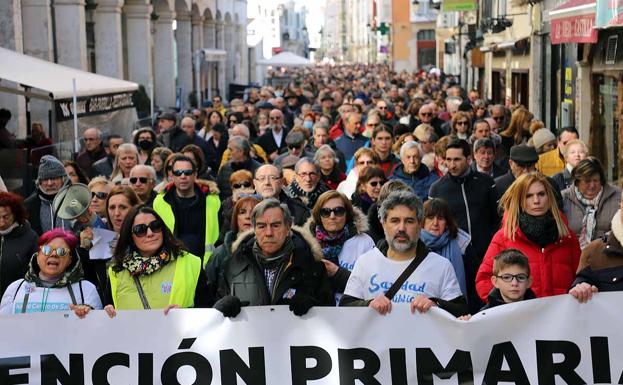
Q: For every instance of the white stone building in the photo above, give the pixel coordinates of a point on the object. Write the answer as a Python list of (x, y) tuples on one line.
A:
[(152, 42)]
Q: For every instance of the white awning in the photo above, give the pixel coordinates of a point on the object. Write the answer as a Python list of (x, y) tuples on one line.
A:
[(286, 59), (50, 81)]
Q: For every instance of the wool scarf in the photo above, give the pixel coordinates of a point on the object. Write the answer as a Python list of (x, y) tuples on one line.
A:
[(450, 249), (541, 230), (308, 198), (588, 220)]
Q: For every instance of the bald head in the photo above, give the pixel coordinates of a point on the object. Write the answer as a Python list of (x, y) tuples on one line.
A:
[(188, 125), (268, 181), (92, 138)]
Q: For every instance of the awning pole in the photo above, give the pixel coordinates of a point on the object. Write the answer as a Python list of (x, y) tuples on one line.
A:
[(151, 103), (76, 139)]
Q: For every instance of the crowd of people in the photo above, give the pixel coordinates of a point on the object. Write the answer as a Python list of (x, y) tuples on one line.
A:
[(349, 186)]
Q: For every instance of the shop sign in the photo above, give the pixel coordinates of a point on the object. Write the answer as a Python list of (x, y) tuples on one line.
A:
[(459, 5), (574, 29)]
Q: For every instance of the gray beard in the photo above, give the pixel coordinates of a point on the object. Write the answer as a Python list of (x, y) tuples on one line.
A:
[(402, 247)]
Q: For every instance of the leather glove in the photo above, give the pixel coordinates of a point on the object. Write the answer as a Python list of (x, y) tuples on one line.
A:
[(301, 303), (229, 306)]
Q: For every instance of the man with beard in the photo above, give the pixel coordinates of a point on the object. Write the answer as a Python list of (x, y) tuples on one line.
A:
[(432, 283), (239, 159), (50, 180)]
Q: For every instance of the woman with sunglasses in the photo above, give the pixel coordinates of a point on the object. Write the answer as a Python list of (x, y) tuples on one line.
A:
[(341, 230), (149, 269), (368, 188), (461, 125), (99, 187), (241, 183), (54, 281)]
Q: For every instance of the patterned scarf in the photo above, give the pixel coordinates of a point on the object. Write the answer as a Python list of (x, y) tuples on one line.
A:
[(308, 198), (588, 221), (271, 265), (331, 246), (138, 265)]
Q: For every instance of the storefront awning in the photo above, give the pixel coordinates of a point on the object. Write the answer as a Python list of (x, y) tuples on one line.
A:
[(573, 22), (609, 14)]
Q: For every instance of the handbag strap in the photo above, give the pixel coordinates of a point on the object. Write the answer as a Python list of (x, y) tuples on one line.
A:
[(141, 293), (419, 258)]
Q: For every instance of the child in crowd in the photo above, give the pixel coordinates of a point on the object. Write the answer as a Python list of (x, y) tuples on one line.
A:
[(511, 280)]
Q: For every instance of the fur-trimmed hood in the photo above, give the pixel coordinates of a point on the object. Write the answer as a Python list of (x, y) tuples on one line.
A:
[(359, 223), (302, 233)]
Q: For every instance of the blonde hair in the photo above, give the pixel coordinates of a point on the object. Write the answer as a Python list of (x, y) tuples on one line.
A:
[(518, 125), (98, 180), (513, 203)]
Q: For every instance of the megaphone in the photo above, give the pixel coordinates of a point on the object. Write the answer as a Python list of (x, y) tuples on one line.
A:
[(72, 201)]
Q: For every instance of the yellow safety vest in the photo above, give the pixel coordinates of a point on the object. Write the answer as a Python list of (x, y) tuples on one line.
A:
[(213, 204), (174, 284)]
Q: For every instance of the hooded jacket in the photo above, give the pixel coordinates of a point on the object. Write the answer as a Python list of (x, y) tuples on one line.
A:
[(16, 248), (39, 297), (302, 274), (358, 243)]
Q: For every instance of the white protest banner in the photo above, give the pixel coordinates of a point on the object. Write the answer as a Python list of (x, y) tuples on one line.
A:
[(546, 341)]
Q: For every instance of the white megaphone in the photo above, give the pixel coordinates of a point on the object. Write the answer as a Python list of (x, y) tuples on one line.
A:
[(72, 201)]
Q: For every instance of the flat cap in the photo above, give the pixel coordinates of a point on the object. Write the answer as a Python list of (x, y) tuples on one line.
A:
[(524, 154)]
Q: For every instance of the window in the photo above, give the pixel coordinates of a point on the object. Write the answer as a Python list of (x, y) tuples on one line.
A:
[(426, 34)]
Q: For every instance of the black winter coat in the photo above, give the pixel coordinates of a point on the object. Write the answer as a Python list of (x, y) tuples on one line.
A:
[(303, 274), (298, 210), (473, 202), (215, 269), (16, 249)]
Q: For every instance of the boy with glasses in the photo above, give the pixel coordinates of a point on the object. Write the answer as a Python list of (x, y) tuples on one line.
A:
[(511, 280)]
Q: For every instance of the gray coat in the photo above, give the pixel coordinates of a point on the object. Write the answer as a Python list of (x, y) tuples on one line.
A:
[(608, 206)]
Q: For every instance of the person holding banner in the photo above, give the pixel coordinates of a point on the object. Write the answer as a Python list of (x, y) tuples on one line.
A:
[(401, 269), (54, 281), (149, 269), (534, 225), (275, 264)]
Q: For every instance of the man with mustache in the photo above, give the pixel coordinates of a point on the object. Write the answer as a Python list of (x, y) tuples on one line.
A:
[(432, 283)]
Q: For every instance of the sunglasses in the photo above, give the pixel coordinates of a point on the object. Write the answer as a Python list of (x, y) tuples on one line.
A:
[(141, 230), (376, 183), (498, 118), (142, 179), (292, 147), (461, 123), (382, 108), (100, 195), (338, 211), (521, 277), (47, 250), (426, 113), (236, 186), (183, 172)]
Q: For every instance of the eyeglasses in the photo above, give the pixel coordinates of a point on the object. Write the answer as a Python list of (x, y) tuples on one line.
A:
[(142, 179), (463, 123), (275, 117), (375, 183), (100, 195), (141, 230), (183, 172), (521, 277), (270, 178), (307, 174), (382, 108), (47, 250), (338, 211), (236, 186)]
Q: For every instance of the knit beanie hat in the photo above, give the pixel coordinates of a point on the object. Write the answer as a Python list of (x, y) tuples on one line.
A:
[(541, 137), (50, 168)]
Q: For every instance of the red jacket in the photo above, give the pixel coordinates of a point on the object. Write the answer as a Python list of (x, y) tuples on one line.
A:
[(337, 130), (552, 268)]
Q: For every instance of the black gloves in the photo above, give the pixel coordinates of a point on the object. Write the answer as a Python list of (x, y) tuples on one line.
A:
[(301, 303), (229, 306)]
